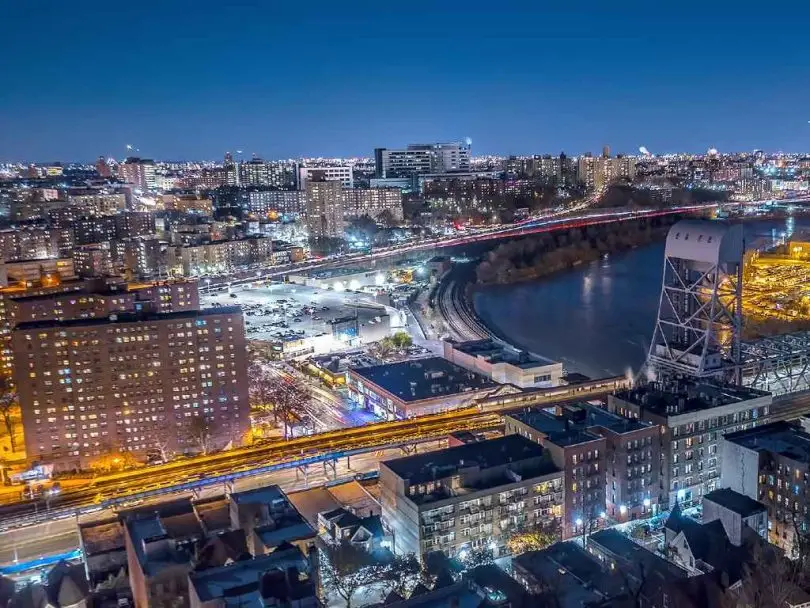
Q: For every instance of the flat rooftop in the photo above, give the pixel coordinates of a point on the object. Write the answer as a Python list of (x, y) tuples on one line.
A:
[(778, 438), (430, 466), (424, 378), (123, 317), (683, 396), (558, 429), (493, 352), (596, 416), (738, 503), (621, 546)]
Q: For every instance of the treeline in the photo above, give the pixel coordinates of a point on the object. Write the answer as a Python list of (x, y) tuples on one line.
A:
[(549, 252)]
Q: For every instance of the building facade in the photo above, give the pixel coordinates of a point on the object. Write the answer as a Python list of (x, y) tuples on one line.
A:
[(693, 417), (135, 383), (470, 497), (771, 464)]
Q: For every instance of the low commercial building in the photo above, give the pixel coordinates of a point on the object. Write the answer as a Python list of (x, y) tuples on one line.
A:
[(470, 497), (771, 464), (504, 364), (693, 416), (414, 388)]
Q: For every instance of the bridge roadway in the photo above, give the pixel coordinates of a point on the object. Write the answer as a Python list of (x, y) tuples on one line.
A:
[(193, 474)]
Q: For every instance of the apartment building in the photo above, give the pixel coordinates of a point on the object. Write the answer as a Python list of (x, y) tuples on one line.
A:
[(693, 416), (372, 202), (218, 256), (579, 454), (771, 464), (470, 497), (131, 382)]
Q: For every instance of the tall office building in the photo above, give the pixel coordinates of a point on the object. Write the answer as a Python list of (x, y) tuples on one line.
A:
[(132, 383), (324, 206), (140, 172), (422, 159)]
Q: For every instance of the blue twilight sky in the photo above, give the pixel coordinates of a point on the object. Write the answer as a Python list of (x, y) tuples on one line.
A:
[(190, 80)]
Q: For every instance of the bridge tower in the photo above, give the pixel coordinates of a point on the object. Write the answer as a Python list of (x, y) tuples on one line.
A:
[(697, 332)]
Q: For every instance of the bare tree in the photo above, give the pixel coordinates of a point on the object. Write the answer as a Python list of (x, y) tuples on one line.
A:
[(8, 404), (200, 432), (768, 579), (346, 568)]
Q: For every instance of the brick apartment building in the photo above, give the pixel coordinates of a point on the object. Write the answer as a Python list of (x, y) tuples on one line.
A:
[(130, 382)]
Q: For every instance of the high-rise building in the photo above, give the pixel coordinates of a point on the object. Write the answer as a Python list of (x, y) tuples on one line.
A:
[(324, 206), (133, 383), (422, 159), (771, 464), (140, 172)]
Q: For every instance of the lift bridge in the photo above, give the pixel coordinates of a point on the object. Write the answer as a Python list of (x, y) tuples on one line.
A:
[(699, 325)]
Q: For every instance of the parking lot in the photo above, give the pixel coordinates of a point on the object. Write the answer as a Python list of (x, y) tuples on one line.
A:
[(282, 311)]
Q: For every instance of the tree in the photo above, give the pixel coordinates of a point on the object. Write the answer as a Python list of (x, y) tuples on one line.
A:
[(8, 407), (768, 579), (346, 568), (387, 219), (401, 339), (522, 541), (362, 229), (200, 433)]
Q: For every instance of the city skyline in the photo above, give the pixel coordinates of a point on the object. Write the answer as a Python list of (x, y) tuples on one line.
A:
[(339, 81)]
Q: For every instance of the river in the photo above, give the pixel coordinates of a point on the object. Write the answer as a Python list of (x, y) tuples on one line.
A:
[(596, 318)]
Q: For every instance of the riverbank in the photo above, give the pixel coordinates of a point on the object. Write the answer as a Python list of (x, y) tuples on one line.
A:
[(535, 257)]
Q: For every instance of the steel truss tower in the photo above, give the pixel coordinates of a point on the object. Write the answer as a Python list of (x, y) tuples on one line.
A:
[(697, 332)]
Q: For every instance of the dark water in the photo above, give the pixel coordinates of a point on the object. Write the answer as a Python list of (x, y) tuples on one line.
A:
[(597, 318)]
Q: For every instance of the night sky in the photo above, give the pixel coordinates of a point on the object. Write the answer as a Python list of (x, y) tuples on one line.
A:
[(190, 80)]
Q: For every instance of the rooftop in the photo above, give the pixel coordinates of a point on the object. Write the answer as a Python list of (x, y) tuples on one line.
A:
[(132, 318), (102, 536), (778, 438), (424, 378), (501, 452), (248, 582), (741, 504), (493, 352), (682, 396), (576, 577), (631, 553), (560, 430)]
